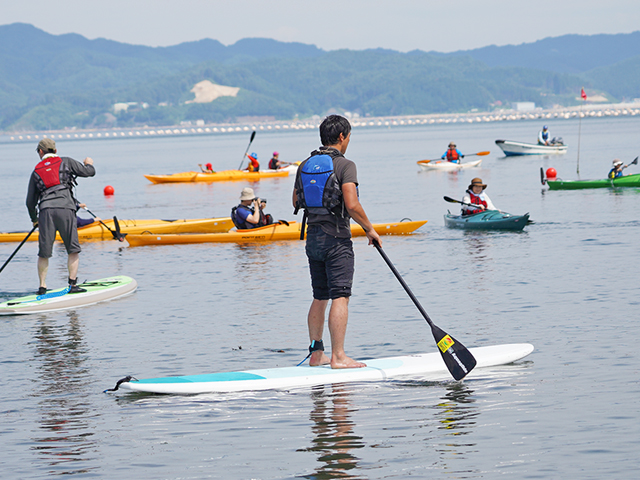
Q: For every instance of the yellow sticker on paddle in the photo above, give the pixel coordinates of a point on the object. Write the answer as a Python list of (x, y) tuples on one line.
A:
[(446, 343)]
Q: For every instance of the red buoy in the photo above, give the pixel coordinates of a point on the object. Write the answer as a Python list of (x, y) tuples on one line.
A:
[(108, 190), (551, 172)]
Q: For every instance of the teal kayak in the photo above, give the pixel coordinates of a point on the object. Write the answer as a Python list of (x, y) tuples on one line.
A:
[(626, 181), (490, 220), (60, 299)]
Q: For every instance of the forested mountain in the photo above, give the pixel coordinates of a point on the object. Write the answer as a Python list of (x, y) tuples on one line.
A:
[(56, 81)]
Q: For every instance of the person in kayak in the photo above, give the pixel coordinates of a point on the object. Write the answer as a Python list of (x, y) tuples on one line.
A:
[(329, 248), (475, 195), (208, 168), (249, 213), (83, 222), (52, 208), (274, 163), (544, 137), (616, 171), (452, 154), (254, 165)]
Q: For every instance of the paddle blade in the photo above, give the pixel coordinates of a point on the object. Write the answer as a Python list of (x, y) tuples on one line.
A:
[(117, 235), (635, 161), (542, 179), (450, 200), (253, 135), (456, 356), (482, 154)]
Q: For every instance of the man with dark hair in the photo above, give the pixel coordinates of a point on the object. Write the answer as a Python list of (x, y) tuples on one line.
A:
[(52, 208), (329, 248)]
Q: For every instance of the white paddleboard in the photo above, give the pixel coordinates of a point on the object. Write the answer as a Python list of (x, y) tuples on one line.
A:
[(428, 366), (97, 291)]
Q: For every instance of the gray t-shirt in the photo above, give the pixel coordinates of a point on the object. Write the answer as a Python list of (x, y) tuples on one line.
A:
[(345, 172)]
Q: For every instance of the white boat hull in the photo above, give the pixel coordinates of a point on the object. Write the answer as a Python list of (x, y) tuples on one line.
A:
[(519, 148), (445, 165)]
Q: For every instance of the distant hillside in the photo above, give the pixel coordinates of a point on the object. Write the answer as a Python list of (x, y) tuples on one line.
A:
[(565, 54), (56, 81)]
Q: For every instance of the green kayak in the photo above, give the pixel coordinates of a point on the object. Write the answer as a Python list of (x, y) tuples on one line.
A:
[(626, 181), (491, 220)]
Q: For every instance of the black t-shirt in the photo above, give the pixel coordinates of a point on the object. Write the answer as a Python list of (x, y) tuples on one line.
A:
[(346, 172)]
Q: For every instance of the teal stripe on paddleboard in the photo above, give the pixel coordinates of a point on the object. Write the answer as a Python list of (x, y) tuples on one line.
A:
[(208, 377)]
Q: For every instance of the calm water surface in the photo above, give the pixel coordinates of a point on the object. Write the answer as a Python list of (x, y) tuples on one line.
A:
[(568, 284)]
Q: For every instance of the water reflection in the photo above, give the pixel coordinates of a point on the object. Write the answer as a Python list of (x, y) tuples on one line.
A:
[(333, 429), (65, 435)]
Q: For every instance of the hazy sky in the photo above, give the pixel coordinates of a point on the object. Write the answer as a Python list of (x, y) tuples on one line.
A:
[(403, 25)]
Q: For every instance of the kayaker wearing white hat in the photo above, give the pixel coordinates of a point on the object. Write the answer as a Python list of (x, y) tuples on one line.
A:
[(618, 167), (475, 195)]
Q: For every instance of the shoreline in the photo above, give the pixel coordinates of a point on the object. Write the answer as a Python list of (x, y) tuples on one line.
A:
[(563, 113)]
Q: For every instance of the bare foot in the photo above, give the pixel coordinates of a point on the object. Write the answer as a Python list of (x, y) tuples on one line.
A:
[(318, 358), (347, 362)]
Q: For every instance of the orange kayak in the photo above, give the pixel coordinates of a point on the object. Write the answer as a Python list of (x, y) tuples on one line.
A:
[(222, 176), (270, 233)]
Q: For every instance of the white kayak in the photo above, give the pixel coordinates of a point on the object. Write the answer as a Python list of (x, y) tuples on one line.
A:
[(292, 169), (520, 148), (426, 366), (445, 165), (60, 299)]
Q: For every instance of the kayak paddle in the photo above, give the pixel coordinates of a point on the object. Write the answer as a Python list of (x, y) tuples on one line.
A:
[(480, 154), (253, 135), (116, 235), (19, 246), (456, 356), (451, 200)]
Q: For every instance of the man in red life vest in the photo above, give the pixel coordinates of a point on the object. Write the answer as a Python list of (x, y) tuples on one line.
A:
[(452, 154), (52, 208), (254, 166), (475, 195), (274, 163)]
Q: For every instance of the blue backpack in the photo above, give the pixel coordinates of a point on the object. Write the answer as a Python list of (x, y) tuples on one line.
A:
[(318, 190)]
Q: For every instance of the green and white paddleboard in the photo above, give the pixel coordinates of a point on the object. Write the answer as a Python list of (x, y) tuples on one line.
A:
[(426, 366), (96, 291)]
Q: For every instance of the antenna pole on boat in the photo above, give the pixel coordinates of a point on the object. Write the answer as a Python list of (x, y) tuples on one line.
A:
[(584, 97)]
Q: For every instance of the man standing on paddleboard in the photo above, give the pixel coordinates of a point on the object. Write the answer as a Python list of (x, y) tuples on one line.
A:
[(326, 187), (52, 208)]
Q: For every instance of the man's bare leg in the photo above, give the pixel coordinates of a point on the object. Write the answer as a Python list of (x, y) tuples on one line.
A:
[(72, 264), (315, 321), (43, 267), (338, 317)]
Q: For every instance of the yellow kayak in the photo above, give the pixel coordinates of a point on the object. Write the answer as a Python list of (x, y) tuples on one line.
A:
[(222, 176), (97, 231), (270, 233)]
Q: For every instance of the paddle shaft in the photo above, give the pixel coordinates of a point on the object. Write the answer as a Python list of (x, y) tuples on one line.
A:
[(253, 135), (403, 283), (115, 234), (19, 246), (453, 200), (457, 358)]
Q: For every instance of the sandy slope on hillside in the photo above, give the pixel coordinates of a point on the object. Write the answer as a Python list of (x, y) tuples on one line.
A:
[(207, 91)]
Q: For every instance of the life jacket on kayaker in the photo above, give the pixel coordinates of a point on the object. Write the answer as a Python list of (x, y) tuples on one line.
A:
[(475, 200), (274, 163), (317, 188), (616, 171), (254, 166), (242, 224), (53, 174), (452, 154)]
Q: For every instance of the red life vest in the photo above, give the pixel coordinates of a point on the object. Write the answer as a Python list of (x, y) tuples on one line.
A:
[(452, 154), (273, 163), (476, 200), (51, 175)]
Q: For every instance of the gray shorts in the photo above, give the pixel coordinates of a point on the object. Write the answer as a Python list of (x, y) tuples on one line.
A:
[(331, 263), (62, 220)]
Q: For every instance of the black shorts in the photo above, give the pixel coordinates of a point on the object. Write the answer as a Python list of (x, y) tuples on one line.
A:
[(331, 264), (62, 220)]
